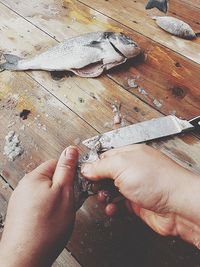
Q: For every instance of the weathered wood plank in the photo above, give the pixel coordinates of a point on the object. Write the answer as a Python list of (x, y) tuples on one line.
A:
[(49, 128), (96, 94), (95, 239), (165, 76), (134, 15), (192, 2)]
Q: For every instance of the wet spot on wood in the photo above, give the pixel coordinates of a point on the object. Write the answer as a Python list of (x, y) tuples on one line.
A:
[(178, 92), (81, 100), (24, 114), (178, 65), (136, 109)]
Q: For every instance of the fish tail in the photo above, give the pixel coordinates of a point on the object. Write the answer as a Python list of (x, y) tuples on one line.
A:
[(11, 62), (161, 5)]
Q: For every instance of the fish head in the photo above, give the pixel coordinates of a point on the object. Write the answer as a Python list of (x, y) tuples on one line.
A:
[(124, 44)]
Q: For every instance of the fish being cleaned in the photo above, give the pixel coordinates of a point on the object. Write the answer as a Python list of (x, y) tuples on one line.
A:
[(176, 27), (162, 5), (84, 188), (87, 55)]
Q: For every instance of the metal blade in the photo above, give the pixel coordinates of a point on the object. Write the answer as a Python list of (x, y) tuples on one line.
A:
[(139, 132)]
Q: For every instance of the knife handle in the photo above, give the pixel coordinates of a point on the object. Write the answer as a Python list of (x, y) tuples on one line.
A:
[(195, 122)]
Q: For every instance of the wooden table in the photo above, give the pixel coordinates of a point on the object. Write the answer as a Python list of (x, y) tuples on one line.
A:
[(69, 110)]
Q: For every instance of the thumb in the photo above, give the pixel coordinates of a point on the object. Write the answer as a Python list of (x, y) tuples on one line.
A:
[(66, 167), (100, 169)]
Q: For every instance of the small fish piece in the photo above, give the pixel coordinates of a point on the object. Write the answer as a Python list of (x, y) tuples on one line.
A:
[(176, 27), (162, 5), (87, 55), (84, 188)]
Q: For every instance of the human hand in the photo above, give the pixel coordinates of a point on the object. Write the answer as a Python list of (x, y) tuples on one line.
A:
[(154, 187), (40, 214)]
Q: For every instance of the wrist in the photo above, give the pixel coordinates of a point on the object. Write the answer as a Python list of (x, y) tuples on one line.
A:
[(185, 203), (185, 199)]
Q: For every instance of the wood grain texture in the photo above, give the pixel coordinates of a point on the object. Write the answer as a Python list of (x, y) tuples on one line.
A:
[(97, 94), (69, 110), (49, 128), (166, 76), (134, 15)]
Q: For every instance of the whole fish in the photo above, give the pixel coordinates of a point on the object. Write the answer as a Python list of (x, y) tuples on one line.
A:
[(176, 27), (87, 55), (162, 5)]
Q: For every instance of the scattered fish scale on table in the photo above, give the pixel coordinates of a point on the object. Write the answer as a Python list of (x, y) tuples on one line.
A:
[(87, 55), (162, 5), (176, 27)]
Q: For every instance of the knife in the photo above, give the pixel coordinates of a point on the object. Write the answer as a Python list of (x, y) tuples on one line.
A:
[(142, 132), (136, 133)]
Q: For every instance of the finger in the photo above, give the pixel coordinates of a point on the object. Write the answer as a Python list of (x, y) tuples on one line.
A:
[(115, 151), (111, 209), (102, 196), (44, 170), (66, 167), (134, 207), (100, 169)]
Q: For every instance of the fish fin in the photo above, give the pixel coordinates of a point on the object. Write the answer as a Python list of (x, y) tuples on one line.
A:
[(197, 34), (162, 6), (11, 62), (95, 44)]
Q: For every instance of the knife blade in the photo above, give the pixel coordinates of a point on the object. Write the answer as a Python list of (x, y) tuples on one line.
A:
[(141, 132)]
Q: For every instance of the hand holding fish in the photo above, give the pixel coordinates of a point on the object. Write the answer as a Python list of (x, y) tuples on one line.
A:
[(155, 187), (40, 214)]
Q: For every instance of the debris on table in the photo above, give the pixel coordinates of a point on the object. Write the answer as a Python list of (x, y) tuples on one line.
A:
[(13, 147), (142, 91), (2, 218), (157, 103), (6, 186), (116, 110), (132, 83), (24, 114), (11, 102)]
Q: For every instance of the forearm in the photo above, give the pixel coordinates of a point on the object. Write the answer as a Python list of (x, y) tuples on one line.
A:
[(18, 257)]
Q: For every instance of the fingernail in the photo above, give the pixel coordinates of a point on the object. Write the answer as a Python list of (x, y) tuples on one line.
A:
[(84, 168), (70, 152)]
